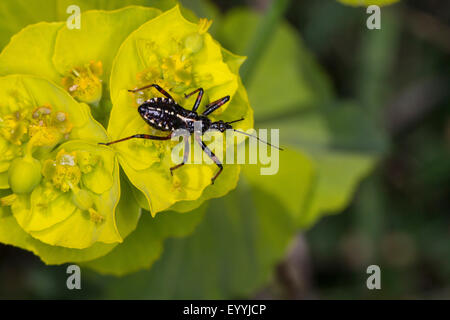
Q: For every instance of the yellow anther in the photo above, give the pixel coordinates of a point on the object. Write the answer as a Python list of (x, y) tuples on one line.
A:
[(42, 111), (13, 127), (96, 68), (61, 116), (46, 128), (96, 216)]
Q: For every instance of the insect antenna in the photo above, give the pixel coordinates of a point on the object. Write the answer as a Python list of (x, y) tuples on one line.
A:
[(235, 121), (249, 135)]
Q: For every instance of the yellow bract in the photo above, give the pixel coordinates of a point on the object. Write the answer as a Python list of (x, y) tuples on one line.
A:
[(65, 200)]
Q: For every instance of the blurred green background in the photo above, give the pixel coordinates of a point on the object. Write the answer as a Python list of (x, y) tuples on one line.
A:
[(384, 93)]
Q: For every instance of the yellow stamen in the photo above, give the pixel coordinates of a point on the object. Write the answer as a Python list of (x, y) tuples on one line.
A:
[(96, 216), (204, 25)]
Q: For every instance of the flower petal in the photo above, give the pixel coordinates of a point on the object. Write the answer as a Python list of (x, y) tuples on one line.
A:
[(33, 43)]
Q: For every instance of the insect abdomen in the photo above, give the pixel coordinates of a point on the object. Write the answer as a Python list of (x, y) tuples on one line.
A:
[(161, 114)]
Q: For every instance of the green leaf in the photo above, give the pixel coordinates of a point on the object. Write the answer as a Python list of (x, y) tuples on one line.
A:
[(231, 254), (289, 91), (145, 244), (11, 233), (286, 78), (344, 145), (367, 3), (293, 181), (339, 173), (53, 215)]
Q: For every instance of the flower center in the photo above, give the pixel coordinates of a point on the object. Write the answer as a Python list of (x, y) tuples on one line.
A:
[(47, 128), (37, 128), (84, 83), (65, 174), (13, 127)]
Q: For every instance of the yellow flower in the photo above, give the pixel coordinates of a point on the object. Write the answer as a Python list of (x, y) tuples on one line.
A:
[(36, 116), (180, 57), (50, 187)]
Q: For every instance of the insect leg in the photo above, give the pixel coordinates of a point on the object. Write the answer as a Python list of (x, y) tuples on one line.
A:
[(141, 136), (185, 155), (199, 98), (211, 107), (157, 87), (211, 155)]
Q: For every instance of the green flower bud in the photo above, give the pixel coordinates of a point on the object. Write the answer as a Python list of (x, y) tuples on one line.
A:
[(24, 174)]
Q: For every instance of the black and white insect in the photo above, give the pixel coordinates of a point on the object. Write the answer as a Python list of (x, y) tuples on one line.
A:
[(165, 114)]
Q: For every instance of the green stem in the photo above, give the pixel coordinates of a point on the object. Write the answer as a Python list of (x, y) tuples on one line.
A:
[(264, 32), (28, 153), (378, 50)]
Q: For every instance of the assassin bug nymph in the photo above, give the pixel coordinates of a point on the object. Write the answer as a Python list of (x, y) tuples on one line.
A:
[(166, 115)]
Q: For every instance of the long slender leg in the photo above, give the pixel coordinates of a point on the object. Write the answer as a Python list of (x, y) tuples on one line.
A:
[(211, 155), (141, 136), (199, 98), (185, 155), (210, 108), (157, 87)]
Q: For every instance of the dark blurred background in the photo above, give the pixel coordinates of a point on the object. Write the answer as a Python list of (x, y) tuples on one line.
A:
[(399, 218)]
